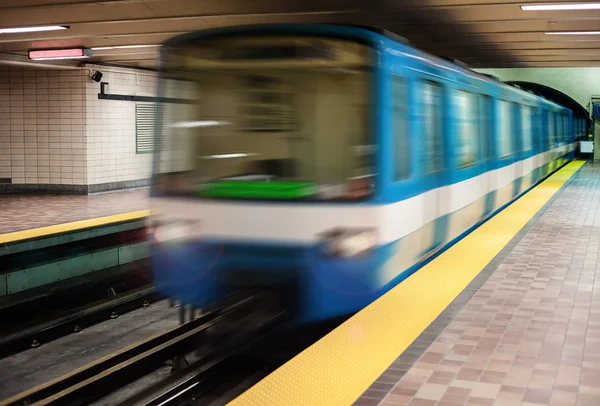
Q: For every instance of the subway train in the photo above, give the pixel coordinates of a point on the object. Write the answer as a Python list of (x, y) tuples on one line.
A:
[(321, 165)]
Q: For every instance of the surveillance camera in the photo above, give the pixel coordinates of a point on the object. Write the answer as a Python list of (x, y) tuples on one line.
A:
[(97, 76)]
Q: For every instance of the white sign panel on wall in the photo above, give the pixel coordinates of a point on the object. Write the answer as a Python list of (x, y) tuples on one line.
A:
[(586, 147)]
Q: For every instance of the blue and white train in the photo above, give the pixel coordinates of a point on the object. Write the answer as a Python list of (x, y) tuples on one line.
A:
[(327, 163)]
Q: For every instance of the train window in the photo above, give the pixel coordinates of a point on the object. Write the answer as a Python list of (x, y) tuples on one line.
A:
[(400, 129), (551, 139), (526, 127), (268, 103), (468, 141), (486, 126), (559, 128), (432, 119), (505, 143), (561, 125)]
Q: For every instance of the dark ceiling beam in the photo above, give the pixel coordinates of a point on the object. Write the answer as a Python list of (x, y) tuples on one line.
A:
[(174, 25), (462, 3), (514, 64), (136, 11), (55, 3), (489, 13), (532, 26)]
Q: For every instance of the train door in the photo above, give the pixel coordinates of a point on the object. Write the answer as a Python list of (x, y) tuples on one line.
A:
[(506, 149), (486, 129), (550, 154), (538, 143), (466, 166), (433, 165), (517, 130), (527, 146)]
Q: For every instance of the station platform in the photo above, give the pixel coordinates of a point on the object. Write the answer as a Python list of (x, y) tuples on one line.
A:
[(510, 315), (31, 216)]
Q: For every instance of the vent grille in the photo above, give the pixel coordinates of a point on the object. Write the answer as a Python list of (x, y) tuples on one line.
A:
[(144, 127)]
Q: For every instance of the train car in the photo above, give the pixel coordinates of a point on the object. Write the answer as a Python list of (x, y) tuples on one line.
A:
[(324, 164)]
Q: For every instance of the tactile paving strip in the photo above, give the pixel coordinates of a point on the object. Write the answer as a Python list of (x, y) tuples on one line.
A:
[(72, 226)]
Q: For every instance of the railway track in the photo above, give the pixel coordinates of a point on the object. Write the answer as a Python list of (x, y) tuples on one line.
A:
[(107, 375), (41, 332)]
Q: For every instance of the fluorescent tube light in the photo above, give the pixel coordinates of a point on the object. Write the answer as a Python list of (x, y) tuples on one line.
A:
[(192, 124), (226, 156), (558, 7), (123, 47), (19, 30), (52, 54), (573, 33)]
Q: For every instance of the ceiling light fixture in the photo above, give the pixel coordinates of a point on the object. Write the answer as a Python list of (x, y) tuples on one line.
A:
[(572, 33), (558, 7), (19, 30), (53, 54), (123, 47)]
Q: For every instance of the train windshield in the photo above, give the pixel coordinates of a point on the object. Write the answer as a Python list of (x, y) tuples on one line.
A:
[(279, 118)]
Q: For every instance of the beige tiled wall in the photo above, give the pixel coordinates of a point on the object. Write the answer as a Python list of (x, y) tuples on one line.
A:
[(54, 129), (42, 129), (110, 127)]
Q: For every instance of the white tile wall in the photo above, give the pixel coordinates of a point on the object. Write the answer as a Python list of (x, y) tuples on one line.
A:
[(55, 130), (110, 127), (42, 128)]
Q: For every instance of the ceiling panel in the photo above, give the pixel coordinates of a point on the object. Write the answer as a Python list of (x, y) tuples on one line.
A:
[(483, 33)]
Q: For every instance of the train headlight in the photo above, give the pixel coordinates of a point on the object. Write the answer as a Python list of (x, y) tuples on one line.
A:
[(167, 231), (348, 243)]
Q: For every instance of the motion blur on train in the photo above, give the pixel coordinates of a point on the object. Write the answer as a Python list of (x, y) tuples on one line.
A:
[(321, 165)]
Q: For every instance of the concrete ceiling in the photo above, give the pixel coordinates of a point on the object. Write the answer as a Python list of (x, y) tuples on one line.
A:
[(481, 33)]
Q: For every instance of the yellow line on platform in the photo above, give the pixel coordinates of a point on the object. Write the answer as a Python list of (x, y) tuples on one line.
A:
[(337, 369), (73, 226)]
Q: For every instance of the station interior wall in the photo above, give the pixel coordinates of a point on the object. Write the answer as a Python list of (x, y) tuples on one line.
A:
[(42, 130), (56, 135), (110, 129), (579, 83)]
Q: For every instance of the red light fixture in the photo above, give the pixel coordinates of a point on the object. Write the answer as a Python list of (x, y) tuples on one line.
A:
[(52, 54)]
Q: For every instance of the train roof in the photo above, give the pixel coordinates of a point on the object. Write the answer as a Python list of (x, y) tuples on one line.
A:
[(356, 32)]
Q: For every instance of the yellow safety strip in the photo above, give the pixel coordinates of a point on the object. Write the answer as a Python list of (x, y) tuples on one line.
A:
[(337, 369), (73, 226)]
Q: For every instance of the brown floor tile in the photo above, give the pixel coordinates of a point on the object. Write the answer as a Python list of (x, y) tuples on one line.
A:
[(22, 212), (441, 377), (480, 401), (486, 390), (563, 398), (431, 391), (396, 400), (588, 400), (537, 396), (366, 402), (404, 392), (514, 397), (456, 394), (422, 402), (492, 377), (541, 382), (469, 374)]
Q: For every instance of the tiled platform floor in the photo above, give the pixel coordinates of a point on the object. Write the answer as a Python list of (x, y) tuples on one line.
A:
[(22, 212), (526, 331)]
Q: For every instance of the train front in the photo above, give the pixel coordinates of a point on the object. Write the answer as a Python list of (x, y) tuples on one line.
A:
[(264, 174)]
